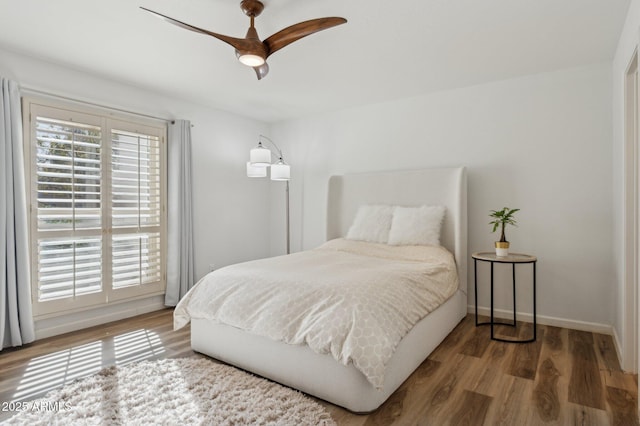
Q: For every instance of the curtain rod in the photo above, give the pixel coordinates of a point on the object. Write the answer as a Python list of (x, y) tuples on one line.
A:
[(34, 91), (174, 122)]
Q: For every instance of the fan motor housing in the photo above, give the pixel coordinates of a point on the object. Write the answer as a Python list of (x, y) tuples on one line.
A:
[(252, 8)]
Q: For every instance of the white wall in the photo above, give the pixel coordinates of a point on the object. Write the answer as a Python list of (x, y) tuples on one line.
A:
[(230, 215), (541, 143), (626, 46)]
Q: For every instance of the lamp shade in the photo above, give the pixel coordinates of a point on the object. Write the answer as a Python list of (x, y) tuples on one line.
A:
[(280, 171), (256, 171), (260, 156)]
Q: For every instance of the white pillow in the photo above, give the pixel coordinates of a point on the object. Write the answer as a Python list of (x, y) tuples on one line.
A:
[(416, 225), (372, 223)]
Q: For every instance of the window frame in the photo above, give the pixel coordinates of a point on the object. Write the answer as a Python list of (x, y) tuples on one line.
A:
[(108, 120)]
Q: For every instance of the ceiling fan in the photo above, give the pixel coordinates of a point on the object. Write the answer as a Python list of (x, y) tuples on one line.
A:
[(250, 50)]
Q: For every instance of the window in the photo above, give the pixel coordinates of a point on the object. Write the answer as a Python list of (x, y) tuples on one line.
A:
[(96, 194)]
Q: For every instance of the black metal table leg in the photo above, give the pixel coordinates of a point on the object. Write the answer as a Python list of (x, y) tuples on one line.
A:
[(513, 259), (513, 267), (475, 282), (492, 300), (535, 328), (533, 339)]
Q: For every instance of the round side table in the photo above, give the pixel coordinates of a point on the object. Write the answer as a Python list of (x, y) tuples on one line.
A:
[(513, 259)]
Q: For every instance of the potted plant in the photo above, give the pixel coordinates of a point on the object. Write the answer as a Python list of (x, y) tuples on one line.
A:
[(502, 218)]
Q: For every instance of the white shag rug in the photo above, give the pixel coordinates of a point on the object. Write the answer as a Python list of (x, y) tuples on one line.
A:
[(184, 391)]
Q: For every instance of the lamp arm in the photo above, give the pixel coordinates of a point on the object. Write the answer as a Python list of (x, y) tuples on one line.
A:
[(287, 187), (274, 145)]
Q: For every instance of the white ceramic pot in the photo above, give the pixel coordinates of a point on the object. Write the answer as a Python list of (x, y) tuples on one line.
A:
[(502, 248)]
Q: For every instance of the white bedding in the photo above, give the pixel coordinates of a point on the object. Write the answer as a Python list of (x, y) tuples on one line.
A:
[(352, 299)]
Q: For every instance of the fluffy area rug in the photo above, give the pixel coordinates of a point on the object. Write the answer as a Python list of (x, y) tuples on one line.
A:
[(184, 391)]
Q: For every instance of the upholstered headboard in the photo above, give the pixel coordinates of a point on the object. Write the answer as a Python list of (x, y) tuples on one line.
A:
[(441, 186)]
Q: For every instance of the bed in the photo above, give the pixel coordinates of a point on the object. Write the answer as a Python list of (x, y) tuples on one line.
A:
[(320, 374)]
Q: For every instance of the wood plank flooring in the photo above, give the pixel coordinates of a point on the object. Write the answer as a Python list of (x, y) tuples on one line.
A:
[(567, 377)]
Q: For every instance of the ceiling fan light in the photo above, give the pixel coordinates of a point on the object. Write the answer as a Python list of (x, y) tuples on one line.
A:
[(251, 60)]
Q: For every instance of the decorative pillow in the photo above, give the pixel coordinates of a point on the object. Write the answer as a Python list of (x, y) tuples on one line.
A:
[(372, 223), (416, 225)]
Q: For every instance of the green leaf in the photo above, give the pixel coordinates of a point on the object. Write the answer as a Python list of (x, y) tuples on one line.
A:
[(503, 217)]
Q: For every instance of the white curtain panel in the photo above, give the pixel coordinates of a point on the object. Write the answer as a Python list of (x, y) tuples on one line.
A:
[(16, 319), (180, 257)]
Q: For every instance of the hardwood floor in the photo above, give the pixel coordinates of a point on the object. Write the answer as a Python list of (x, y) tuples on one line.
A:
[(567, 377)]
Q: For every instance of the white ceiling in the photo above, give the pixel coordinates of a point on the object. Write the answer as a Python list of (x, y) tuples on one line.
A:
[(388, 49)]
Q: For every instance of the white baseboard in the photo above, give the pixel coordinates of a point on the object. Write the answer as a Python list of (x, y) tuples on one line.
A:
[(618, 345), (553, 321), (77, 321)]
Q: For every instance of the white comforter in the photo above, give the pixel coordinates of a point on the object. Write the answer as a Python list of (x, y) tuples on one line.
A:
[(352, 299)]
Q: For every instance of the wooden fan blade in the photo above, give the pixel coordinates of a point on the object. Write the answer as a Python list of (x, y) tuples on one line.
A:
[(238, 43), (295, 32), (262, 71)]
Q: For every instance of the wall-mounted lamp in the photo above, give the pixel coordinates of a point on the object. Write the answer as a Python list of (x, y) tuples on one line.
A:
[(260, 160)]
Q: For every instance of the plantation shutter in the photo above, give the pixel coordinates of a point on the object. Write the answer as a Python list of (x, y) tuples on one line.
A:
[(97, 216), (68, 176), (136, 208)]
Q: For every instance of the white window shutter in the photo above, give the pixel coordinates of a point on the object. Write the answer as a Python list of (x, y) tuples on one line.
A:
[(98, 226)]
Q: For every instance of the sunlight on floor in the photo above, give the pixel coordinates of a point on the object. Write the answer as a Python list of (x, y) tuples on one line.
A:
[(58, 368), (50, 371), (136, 346)]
